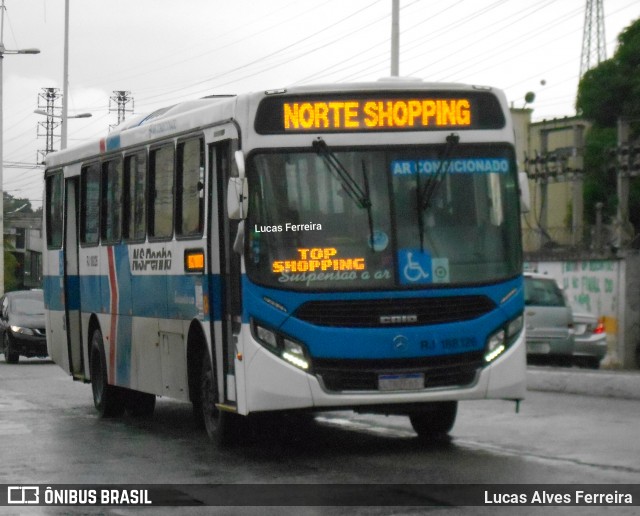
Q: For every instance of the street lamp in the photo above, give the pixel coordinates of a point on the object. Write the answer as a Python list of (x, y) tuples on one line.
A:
[(3, 52), (50, 127), (43, 112)]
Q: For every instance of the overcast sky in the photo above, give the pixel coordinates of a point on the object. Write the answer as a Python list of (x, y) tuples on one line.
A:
[(164, 51)]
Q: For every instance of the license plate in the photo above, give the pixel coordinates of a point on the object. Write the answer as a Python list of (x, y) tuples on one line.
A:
[(401, 382), (538, 347)]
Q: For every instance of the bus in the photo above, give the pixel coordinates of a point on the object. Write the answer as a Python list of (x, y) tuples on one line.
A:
[(313, 248)]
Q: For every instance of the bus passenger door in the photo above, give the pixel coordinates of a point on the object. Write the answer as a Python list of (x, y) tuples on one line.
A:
[(224, 264), (72, 279)]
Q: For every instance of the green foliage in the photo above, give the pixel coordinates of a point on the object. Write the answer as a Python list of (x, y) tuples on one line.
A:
[(10, 266), (599, 181), (16, 204), (612, 89), (599, 94), (607, 92)]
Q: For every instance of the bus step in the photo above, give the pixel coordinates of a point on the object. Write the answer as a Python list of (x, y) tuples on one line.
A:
[(226, 408)]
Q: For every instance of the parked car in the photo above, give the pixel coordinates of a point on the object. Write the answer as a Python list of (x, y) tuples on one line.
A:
[(590, 339), (22, 327), (549, 321)]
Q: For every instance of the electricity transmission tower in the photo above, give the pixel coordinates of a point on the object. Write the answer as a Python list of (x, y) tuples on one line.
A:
[(594, 45), (120, 99), (47, 103)]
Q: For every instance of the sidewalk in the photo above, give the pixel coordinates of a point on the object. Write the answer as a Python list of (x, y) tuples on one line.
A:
[(606, 383)]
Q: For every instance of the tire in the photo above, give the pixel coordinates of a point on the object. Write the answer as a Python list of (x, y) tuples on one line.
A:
[(435, 420), (593, 363), (10, 356), (108, 399), (221, 426), (139, 404)]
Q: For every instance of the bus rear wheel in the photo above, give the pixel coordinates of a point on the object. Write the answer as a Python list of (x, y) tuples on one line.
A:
[(221, 426), (108, 399), (435, 420)]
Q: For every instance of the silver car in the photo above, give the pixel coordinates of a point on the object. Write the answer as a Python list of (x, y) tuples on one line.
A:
[(590, 339), (549, 321)]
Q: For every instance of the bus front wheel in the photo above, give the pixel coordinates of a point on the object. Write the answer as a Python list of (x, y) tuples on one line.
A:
[(435, 420), (108, 399), (11, 357), (219, 424)]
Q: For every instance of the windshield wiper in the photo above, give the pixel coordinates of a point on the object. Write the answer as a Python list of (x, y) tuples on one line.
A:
[(351, 187), (357, 194), (424, 194)]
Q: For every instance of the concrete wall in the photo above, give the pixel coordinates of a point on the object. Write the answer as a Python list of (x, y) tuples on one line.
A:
[(609, 289)]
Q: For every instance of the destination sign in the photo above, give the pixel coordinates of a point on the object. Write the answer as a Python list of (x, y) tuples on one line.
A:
[(377, 113), (417, 111)]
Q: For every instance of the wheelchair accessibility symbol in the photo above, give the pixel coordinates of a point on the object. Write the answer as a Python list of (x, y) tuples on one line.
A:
[(415, 266)]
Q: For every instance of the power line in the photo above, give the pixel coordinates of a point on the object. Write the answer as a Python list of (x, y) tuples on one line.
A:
[(121, 98), (47, 101)]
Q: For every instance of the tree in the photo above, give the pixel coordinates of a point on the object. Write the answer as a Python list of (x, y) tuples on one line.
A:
[(14, 207), (10, 266), (16, 204), (607, 92), (612, 88), (599, 181)]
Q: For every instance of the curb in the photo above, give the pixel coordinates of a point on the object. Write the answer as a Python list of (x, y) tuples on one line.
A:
[(608, 384)]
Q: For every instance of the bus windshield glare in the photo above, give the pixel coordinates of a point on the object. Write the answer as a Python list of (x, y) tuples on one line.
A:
[(419, 216)]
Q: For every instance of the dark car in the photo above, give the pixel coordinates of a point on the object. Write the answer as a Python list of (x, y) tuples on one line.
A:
[(22, 328)]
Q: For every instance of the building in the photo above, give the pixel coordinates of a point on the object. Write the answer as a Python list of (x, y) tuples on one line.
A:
[(551, 152), (23, 236)]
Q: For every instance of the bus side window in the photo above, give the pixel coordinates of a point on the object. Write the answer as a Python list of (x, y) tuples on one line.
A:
[(53, 210), (161, 165), (112, 200), (90, 204), (190, 198), (134, 197)]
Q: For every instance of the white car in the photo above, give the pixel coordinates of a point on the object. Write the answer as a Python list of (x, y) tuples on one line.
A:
[(548, 319)]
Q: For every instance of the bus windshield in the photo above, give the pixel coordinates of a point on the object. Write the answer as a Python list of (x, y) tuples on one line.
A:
[(419, 216)]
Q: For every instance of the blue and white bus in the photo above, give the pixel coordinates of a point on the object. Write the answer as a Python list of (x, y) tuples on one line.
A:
[(333, 247)]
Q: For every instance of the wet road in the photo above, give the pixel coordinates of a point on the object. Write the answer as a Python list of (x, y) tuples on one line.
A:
[(50, 434)]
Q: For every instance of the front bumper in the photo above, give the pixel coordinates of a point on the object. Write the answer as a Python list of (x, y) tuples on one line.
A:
[(549, 346), (272, 384), (29, 345)]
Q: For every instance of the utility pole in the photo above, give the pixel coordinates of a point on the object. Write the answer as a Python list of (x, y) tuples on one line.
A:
[(395, 38), (121, 99), (623, 179), (65, 79), (594, 49), (3, 52), (47, 103)]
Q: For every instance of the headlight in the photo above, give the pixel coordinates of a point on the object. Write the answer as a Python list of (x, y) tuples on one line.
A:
[(20, 329), (286, 348), (502, 338)]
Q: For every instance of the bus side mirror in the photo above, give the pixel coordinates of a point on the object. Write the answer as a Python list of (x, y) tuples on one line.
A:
[(525, 196), (239, 157), (238, 243), (237, 198)]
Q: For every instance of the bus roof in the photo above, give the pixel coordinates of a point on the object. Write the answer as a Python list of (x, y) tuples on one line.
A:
[(191, 115)]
